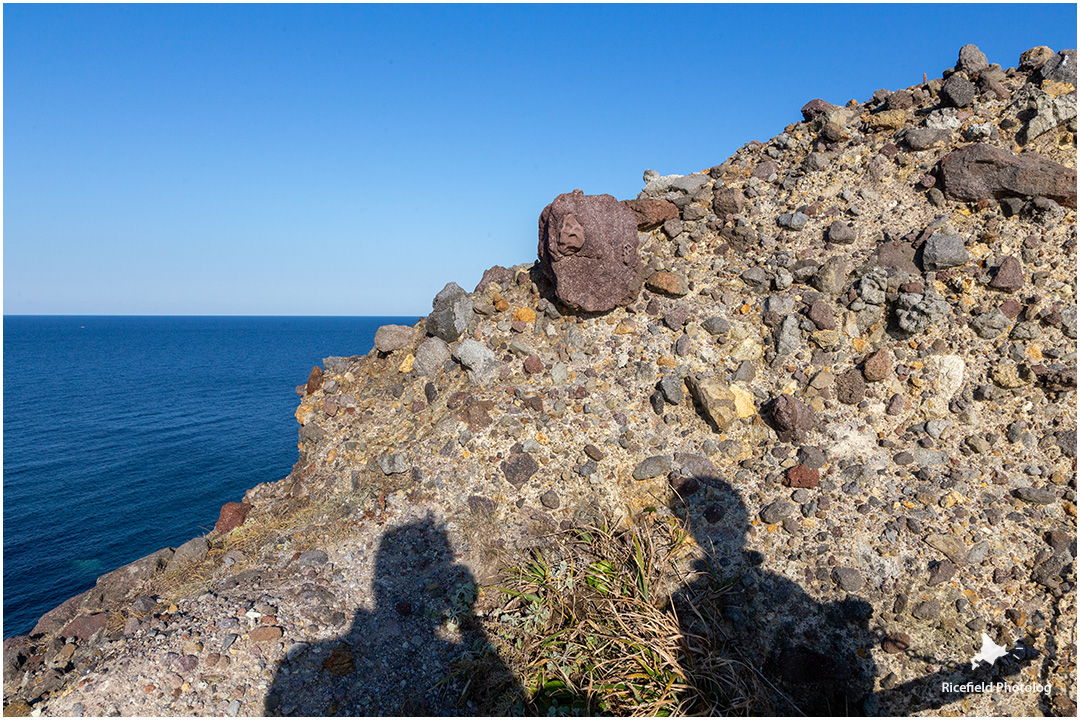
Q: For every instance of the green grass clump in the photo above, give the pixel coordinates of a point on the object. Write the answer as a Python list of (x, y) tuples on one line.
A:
[(591, 627)]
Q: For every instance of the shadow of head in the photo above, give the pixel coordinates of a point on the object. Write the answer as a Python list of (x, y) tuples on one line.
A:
[(813, 654), (419, 650), (416, 576)]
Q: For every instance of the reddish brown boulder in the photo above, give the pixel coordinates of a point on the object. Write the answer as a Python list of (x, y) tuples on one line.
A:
[(1010, 308), (897, 255), (495, 274), (265, 633), (667, 283), (651, 213), (801, 476), (314, 381), (233, 515), (982, 171), (821, 314), (518, 468), (896, 642), (589, 249), (85, 627), (850, 387), (878, 366), (534, 365), (814, 108)]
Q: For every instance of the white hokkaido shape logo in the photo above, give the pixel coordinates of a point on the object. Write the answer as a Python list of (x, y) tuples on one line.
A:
[(989, 652)]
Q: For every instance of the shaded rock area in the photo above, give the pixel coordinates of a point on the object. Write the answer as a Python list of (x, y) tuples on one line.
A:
[(843, 359)]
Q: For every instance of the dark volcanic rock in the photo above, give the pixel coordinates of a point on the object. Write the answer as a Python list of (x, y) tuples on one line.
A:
[(841, 233), (1060, 68), (589, 248), (1009, 276), (791, 418), (495, 274), (777, 511), (518, 468), (941, 571), (728, 201), (850, 579), (451, 313), (814, 108), (981, 171), (651, 213), (1036, 496), (971, 59), (850, 387), (958, 92)]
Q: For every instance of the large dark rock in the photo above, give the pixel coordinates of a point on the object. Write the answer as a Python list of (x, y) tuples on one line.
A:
[(451, 313), (815, 108), (1060, 68), (981, 171), (728, 201), (589, 248), (958, 92), (971, 60)]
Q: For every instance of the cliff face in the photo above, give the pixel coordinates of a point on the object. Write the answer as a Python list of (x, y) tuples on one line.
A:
[(851, 372)]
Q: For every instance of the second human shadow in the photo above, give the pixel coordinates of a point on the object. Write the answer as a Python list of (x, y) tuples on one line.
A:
[(420, 652)]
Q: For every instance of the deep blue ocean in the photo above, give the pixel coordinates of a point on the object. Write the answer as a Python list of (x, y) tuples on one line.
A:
[(124, 435)]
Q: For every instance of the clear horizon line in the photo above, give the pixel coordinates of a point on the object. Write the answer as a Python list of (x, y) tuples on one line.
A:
[(177, 315)]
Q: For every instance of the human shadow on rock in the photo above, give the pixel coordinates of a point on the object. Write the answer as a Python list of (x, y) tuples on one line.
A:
[(811, 657), (806, 653), (421, 651)]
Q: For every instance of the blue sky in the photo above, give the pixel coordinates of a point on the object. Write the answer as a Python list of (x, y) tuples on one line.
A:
[(351, 160)]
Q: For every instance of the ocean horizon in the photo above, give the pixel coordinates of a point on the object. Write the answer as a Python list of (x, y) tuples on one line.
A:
[(124, 434)]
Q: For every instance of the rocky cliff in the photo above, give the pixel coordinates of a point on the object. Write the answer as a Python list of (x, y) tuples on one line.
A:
[(843, 359)]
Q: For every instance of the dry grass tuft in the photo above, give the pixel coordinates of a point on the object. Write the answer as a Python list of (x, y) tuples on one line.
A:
[(591, 628)]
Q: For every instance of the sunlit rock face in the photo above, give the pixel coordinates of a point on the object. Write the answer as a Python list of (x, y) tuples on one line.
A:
[(589, 249)]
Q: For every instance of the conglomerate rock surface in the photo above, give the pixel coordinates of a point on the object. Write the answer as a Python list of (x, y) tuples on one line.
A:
[(863, 385)]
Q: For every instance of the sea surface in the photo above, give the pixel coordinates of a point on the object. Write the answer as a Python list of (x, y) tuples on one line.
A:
[(124, 435)]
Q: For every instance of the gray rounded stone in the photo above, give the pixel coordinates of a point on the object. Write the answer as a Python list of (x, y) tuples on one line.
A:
[(777, 511), (431, 355), (389, 338)]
